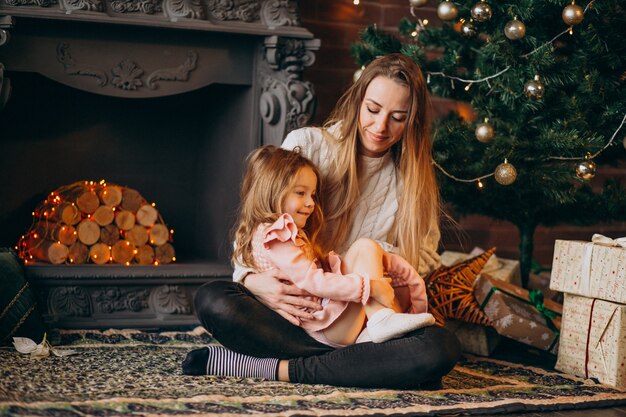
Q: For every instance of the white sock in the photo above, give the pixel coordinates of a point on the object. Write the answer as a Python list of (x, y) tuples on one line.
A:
[(386, 324)]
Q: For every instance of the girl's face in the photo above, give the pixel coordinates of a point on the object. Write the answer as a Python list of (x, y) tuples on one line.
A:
[(299, 202), (382, 116)]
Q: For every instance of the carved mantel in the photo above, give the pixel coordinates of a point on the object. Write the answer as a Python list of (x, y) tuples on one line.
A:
[(206, 82), (154, 48)]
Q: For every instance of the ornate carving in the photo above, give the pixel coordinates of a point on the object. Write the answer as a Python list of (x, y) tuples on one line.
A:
[(286, 102), (188, 9), (136, 6), (170, 299), (40, 3), (279, 13), (127, 75), (69, 301), (113, 299), (245, 10), (86, 5), (180, 73), (64, 57)]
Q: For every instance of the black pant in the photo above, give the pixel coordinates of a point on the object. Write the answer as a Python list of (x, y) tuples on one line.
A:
[(243, 324)]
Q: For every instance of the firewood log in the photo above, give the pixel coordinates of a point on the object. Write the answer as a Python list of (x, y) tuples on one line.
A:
[(147, 215), (79, 253), (159, 234), (138, 235), (100, 253), (66, 213), (88, 232), (104, 215), (88, 202), (123, 252), (165, 253), (132, 200), (111, 195), (65, 234), (145, 255), (48, 251), (125, 219), (109, 234)]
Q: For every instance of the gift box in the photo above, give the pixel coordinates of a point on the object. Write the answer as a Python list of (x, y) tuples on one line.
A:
[(503, 269), (593, 340), (591, 269), (474, 338), (519, 314)]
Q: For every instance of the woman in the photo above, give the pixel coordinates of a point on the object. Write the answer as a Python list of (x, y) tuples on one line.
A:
[(374, 154)]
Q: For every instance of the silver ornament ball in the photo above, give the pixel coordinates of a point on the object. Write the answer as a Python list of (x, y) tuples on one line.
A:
[(484, 132), (534, 89), (481, 11), (505, 173), (468, 29), (418, 3), (447, 10), (573, 14), (514, 30), (586, 169)]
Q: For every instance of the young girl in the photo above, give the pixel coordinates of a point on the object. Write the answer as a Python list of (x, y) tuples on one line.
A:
[(279, 221)]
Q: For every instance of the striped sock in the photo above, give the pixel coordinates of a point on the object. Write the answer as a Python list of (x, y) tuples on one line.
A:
[(224, 362)]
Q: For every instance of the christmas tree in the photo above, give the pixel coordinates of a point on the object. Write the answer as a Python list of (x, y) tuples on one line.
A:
[(546, 80)]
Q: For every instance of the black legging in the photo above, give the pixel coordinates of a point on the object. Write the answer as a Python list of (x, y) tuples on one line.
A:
[(240, 322)]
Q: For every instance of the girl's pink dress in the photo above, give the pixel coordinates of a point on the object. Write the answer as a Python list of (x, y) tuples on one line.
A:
[(282, 246)]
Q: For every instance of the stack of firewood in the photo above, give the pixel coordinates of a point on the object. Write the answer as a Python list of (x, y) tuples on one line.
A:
[(97, 222)]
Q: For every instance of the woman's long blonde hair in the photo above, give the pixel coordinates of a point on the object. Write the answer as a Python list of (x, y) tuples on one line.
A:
[(271, 174), (419, 203)]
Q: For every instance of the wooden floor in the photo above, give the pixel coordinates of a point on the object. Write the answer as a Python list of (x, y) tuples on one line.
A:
[(515, 352)]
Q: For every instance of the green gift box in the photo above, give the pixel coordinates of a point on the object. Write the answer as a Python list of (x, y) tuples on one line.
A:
[(520, 314)]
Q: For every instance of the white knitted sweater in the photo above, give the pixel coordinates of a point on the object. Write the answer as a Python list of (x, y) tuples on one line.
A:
[(376, 209)]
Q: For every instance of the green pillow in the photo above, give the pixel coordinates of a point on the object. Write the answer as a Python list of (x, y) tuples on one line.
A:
[(18, 305)]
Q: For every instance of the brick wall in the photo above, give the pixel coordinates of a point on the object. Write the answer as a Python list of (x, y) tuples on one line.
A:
[(337, 23)]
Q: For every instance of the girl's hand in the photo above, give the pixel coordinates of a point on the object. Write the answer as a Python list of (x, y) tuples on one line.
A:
[(381, 292), (278, 293)]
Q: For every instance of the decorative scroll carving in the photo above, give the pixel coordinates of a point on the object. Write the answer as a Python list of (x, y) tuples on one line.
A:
[(244, 10), (86, 5), (180, 73), (279, 13), (136, 6), (287, 102), (113, 299), (188, 9), (64, 57), (170, 299), (69, 301), (127, 75), (40, 3)]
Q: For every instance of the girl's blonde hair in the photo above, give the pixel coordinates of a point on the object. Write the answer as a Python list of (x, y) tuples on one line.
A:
[(271, 173), (419, 202)]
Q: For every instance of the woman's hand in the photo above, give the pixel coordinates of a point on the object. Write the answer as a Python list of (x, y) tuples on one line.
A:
[(278, 293), (381, 292)]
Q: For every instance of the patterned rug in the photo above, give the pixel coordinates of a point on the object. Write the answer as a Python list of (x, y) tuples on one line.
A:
[(135, 373)]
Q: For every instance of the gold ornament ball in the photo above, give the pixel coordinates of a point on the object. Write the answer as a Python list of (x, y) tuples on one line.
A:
[(468, 30), (484, 132), (505, 173), (447, 10), (481, 11), (418, 3), (514, 29), (586, 170), (573, 14), (534, 89)]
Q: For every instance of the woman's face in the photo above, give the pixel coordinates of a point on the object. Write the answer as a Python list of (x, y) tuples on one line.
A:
[(382, 116)]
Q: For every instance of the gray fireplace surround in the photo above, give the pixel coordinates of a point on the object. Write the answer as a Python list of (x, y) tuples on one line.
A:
[(164, 96)]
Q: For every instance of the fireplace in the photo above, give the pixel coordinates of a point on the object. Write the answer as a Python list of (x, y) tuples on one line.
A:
[(163, 96)]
